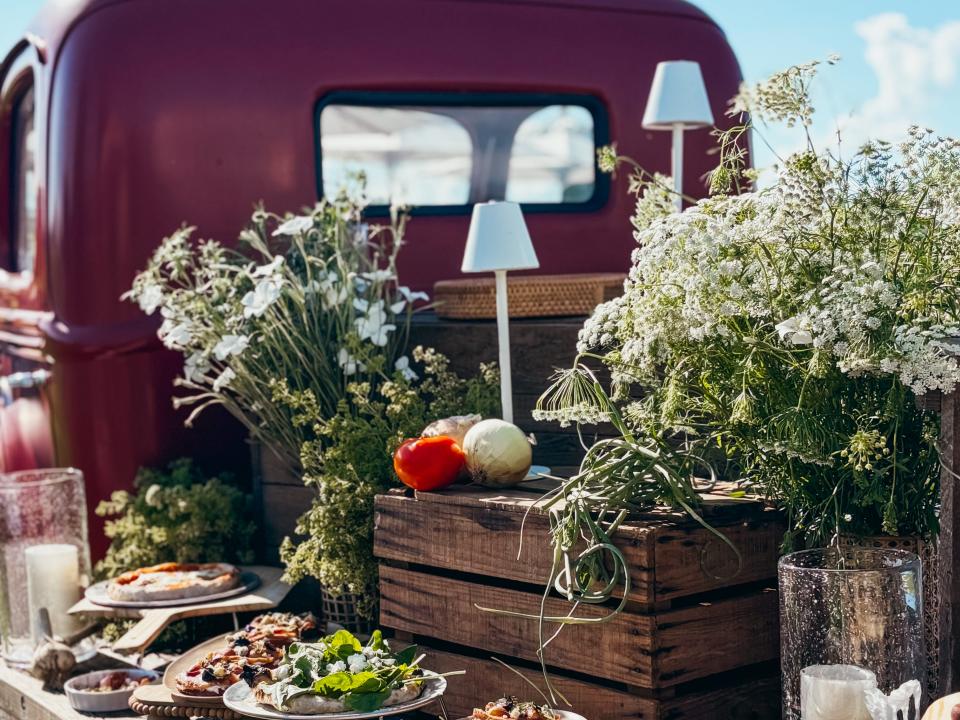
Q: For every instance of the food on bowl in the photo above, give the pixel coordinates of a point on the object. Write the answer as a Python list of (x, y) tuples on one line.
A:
[(250, 654), (514, 709), (173, 581), (119, 680), (339, 674)]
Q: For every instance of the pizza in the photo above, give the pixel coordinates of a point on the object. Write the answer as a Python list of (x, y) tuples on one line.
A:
[(510, 708), (338, 673), (173, 581), (249, 654)]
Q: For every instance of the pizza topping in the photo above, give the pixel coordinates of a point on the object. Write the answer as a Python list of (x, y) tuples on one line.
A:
[(514, 709), (250, 655), (339, 667)]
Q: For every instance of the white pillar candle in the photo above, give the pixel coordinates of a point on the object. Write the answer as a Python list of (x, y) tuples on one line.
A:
[(835, 692), (53, 582)]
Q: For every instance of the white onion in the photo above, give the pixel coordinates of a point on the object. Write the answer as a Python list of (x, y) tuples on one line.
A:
[(455, 427), (498, 453)]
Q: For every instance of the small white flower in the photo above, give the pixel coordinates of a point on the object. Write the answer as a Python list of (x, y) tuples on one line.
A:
[(177, 337), (357, 662), (270, 269), (373, 326), (398, 307), (795, 330), (195, 367), (411, 296), (361, 304), (230, 345), (295, 225), (150, 298), (223, 379), (335, 667), (152, 496), (256, 302), (403, 365), (349, 363)]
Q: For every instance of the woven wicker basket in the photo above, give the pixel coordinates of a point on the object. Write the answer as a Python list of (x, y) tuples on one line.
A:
[(341, 610), (527, 295)]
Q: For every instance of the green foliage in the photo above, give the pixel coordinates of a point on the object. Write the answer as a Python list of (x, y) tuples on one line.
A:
[(351, 461), (175, 515)]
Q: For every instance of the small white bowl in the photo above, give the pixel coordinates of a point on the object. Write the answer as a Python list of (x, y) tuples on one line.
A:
[(567, 715), (100, 702)]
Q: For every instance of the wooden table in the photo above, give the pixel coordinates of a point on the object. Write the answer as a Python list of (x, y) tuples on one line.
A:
[(23, 698)]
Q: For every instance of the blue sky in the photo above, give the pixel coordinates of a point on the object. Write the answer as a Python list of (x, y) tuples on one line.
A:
[(901, 60)]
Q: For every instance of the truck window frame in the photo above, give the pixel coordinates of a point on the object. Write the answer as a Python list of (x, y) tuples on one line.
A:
[(393, 98), (18, 77)]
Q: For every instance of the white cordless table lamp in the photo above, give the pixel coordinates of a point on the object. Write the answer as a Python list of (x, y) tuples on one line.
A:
[(498, 241), (678, 101)]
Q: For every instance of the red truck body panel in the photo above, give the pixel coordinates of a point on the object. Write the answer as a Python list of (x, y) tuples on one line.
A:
[(152, 113)]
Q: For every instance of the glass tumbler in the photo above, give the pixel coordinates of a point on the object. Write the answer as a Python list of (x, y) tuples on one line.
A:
[(44, 555), (859, 607)]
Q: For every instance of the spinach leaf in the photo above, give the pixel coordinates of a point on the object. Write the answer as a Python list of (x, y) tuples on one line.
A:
[(366, 702)]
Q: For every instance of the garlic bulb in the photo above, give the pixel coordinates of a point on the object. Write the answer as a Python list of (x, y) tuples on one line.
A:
[(498, 453), (454, 427)]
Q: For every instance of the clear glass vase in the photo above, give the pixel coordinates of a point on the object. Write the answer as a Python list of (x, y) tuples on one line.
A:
[(860, 608), (44, 556)]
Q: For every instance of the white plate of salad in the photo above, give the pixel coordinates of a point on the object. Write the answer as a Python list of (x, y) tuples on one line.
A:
[(339, 678)]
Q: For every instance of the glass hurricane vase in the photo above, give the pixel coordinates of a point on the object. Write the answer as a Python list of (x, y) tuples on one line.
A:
[(44, 556), (853, 608)]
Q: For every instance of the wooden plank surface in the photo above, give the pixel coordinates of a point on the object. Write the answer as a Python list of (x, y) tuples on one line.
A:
[(478, 531), (445, 609), (485, 541), (751, 697), (648, 651), (22, 697), (486, 681)]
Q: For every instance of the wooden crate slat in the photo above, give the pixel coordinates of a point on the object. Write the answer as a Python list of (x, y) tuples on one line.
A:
[(438, 607), (717, 637), (692, 560), (649, 651), (486, 681), (753, 697), (477, 531), (484, 541)]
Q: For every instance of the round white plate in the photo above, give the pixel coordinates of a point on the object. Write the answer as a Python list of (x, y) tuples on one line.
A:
[(239, 698), (97, 594)]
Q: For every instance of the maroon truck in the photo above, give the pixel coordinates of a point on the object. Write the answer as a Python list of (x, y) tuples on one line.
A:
[(122, 119)]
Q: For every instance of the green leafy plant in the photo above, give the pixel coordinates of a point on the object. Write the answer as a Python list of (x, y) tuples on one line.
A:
[(177, 514), (349, 462)]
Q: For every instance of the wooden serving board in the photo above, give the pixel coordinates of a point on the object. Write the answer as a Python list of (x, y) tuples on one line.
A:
[(153, 620)]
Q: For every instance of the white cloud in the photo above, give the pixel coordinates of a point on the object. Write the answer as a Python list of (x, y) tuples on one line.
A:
[(915, 69)]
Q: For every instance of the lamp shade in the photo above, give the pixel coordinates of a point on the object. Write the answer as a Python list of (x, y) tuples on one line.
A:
[(678, 96), (498, 240)]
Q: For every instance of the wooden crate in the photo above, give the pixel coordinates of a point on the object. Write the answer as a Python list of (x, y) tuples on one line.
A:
[(694, 632)]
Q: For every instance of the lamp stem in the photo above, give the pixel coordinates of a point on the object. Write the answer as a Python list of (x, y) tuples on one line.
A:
[(503, 339), (676, 166)]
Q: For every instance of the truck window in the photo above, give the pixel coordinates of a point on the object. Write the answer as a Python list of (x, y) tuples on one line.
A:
[(444, 152), (23, 188)]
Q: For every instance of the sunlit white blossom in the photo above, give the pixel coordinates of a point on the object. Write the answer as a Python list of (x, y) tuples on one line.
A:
[(264, 294), (294, 226), (230, 345), (403, 365)]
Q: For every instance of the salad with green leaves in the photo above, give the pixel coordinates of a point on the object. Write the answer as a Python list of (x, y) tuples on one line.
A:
[(339, 673)]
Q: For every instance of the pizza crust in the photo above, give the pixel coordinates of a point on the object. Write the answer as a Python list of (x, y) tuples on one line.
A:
[(316, 705), (173, 581)]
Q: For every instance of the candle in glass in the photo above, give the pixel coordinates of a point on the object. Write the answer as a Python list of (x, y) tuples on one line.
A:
[(53, 582), (835, 692)]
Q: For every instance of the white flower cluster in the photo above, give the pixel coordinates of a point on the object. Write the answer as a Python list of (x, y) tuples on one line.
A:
[(776, 267)]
